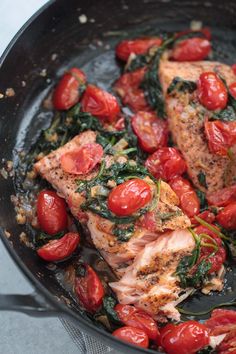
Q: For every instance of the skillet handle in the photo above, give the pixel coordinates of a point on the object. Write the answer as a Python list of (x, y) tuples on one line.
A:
[(30, 304)]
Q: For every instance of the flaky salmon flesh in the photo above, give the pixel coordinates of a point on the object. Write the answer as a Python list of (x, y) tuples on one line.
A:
[(186, 123)]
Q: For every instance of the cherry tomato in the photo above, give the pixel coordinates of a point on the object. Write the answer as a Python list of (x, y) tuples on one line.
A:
[(89, 289), (136, 46), (66, 93), (185, 338), (232, 89), (205, 31), (51, 212), (219, 257), (163, 332), (234, 68), (120, 124), (58, 250), (227, 217), (128, 197), (100, 103), (188, 198), (151, 131), (132, 335), (82, 160), (222, 197), (206, 215), (133, 317), (221, 136), (212, 92), (128, 88), (228, 346), (220, 320), (191, 49), (166, 163)]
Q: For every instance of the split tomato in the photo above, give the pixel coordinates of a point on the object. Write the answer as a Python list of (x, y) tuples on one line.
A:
[(222, 197), (151, 131), (58, 250), (166, 163), (185, 338), (82, 160), (100, 103), (132, 335), (51, 212), (128, 88), (89, 289), (188, 198), (221, 136), (191, 49), (67, 93), (133, 317), (227, 217), (212, 92), (136, 46), (128, 197)]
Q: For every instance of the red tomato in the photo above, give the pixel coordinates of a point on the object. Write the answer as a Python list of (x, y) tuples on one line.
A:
[(220, 319), (234, 68), (128, 88), (219, 257), (89, 289), (133, 317), (151, 131), (82, 160), (66, 93), (232, 89), (191, 49), (132, 335), (166, 163), (57, 250), (212, 92), (136, 46), (206, 215), (222, 197), (221, 136), (51, 212), (100, 103), (185, 338), (205, 31), (120, 124), (228, 346), (227, 217), (163, 332), (188, 198), (128, 197)]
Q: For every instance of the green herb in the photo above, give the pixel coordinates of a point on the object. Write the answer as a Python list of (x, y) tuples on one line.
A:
[(42, 238), (227, 115), (180, 85), (168, 215), (202, 179), (123, 234), (138, 62), (203, 202), (108, 305)]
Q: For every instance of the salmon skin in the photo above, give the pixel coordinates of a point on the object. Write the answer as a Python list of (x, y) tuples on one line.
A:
[(186, 123)]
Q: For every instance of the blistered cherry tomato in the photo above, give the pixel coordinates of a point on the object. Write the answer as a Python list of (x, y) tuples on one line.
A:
[(219, 257), (151, 131), (136, 46), (220, 321), (185, 338), (191, 49), (133, 317), (227, 217), (189, 201), (206, 215), (58, 250), (228, 345), (212, 92), (89, 288), (66, 93), (128, 197), (205, 31), (232, 89), (100, 103), (82, 160), (128, 88), (164, 331), (132, 335), (51, 212), (166, 163), (222, 197), (221, 136)]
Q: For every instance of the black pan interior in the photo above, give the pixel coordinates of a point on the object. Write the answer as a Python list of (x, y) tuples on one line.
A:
[(58, 30)]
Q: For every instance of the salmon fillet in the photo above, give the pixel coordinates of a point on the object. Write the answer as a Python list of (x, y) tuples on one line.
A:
[(117, 254), (150, 282), (186, 122)]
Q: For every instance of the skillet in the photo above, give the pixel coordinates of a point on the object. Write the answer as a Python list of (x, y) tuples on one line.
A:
[(57, 29)]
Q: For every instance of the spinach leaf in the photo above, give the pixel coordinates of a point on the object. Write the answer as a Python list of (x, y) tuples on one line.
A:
[(138, 62), (202, 179), (227, 115), (123, 234), (203, 202), (108, 305), (181, 85), (42, 238)]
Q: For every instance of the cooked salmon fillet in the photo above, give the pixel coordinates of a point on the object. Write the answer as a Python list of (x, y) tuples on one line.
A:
[(150, 282), (186, 122), (118, 254)]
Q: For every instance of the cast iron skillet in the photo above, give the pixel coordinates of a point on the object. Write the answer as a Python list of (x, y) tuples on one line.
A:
[(56, 29)]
